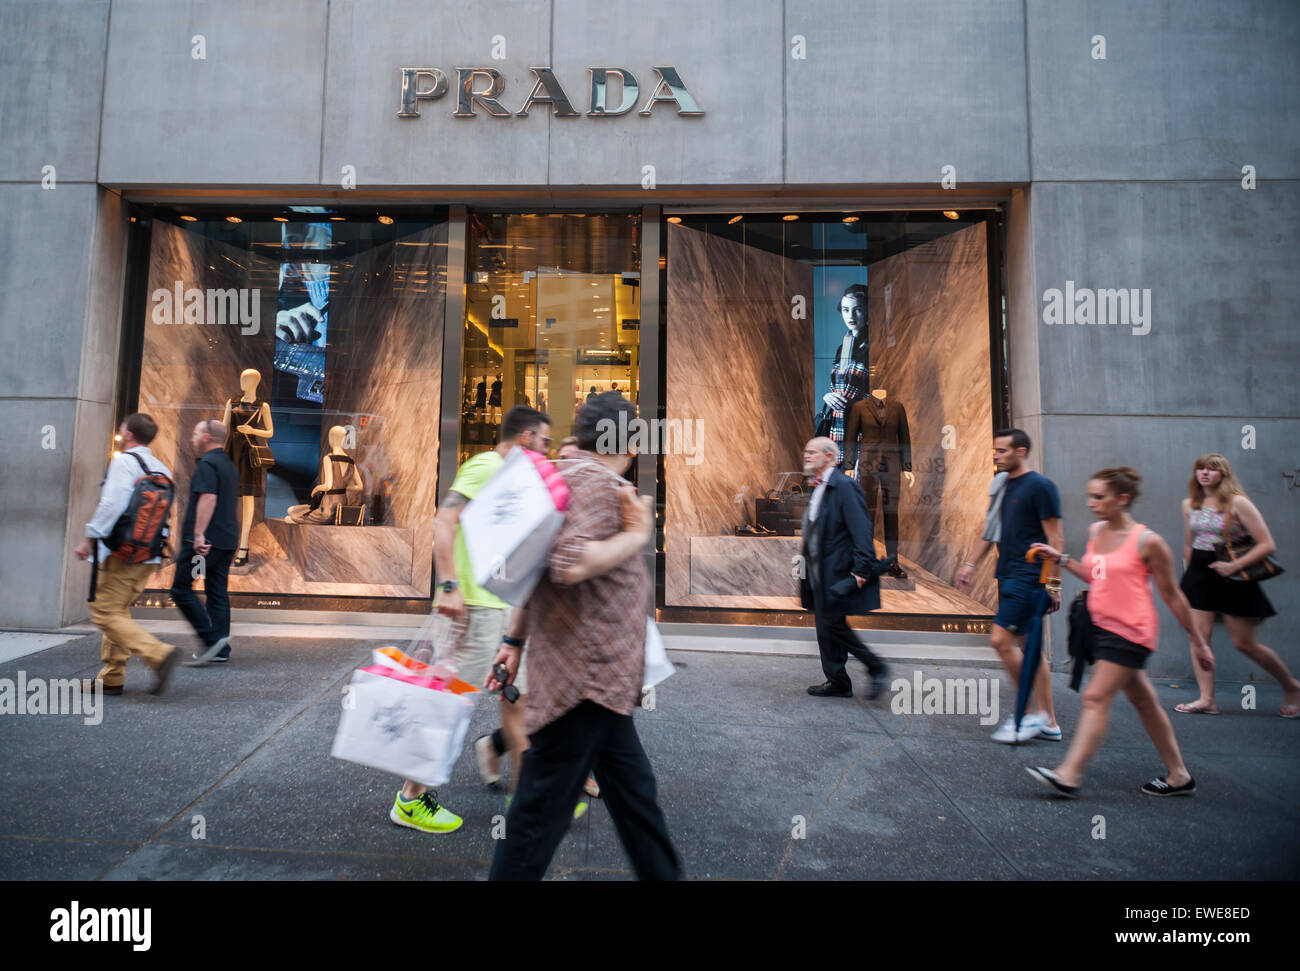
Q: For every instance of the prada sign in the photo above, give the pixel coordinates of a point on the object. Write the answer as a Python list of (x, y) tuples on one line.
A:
[(482, 86)]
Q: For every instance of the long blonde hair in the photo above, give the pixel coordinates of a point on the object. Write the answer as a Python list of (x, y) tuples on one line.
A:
[(1229, 486)]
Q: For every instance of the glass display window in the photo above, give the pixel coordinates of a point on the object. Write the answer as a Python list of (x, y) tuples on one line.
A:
[(872, 329)]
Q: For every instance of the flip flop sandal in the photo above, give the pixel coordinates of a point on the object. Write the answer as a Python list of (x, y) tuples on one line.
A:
[(1191, 709), (1049, 778)]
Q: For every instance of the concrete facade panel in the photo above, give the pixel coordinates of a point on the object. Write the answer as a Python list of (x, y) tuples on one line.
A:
[(1188, 89), (248, 112), (893, 92), (49, 104)]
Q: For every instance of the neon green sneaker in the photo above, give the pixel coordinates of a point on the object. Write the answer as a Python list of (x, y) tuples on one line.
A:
[(423, 813), (578, 810)]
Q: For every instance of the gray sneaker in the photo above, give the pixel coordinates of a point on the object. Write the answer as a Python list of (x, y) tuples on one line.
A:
[(199, 659)]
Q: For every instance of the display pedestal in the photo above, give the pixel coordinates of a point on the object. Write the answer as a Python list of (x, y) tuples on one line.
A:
[(756, 566), (347, 554)]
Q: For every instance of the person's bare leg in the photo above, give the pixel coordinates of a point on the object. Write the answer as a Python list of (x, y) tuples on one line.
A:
[(512, 730), (1094, 719), (1155, 720), (1242, 632), (1203, 622), (413, 790), (1007, 645)]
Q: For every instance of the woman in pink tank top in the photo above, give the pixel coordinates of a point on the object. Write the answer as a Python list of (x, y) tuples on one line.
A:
[(1122, 557)]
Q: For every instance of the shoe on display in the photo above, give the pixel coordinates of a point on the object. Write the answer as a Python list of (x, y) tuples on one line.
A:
[(896, 571), (423, 813)]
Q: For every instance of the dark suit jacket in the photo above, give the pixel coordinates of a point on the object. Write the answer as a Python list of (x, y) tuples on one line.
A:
[(885, 441), (844, 535)]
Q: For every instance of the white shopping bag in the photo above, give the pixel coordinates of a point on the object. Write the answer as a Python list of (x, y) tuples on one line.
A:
[(657, 665), (396, 722), (509, 528)]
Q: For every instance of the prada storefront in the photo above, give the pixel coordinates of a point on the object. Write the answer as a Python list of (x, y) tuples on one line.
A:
[(371, 350)]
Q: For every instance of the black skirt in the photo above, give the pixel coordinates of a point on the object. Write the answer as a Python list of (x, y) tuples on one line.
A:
[(1206, 590)]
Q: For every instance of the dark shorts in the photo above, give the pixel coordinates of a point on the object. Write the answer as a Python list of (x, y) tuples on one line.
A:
[(1109, 646), (1018, 600), (1206, 590)]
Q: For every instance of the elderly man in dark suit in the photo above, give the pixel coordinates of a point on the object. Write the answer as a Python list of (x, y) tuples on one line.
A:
[(841, 572)]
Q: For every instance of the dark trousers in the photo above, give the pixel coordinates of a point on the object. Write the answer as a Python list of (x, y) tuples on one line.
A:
[(836, 641), (212, 622), (550, 782), (887, 483)]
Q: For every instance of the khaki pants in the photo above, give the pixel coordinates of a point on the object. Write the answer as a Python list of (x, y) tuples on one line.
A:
[(117, 587)]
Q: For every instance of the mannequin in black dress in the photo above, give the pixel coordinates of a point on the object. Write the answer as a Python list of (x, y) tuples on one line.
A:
[(247, 418)]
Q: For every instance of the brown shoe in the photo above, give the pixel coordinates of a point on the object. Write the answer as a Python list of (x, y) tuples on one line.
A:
[(163, 672), (88, 687)]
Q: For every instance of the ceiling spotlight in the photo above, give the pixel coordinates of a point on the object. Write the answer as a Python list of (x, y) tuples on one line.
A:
[(190, 219), (386, 220), (951, 214), (280, 219), (734, 219), (233, 219), (336, 219), (790, 218), (674, 219), (850, 219)]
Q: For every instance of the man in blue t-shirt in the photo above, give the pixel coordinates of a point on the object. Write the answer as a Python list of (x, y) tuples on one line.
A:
[(1030, 513)]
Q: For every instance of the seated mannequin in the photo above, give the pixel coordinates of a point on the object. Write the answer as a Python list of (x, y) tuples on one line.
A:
[(340, 483)]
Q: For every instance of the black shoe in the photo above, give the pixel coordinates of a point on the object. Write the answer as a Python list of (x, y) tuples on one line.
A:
[(829, 689), (897, 572), (879, 681), (163, 672), (1048, 778), (1159, 787), (241, 557), (88, 687)]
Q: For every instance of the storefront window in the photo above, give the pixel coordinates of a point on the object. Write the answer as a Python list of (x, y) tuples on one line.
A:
[(873, 326), (317, 336), (551, 317)]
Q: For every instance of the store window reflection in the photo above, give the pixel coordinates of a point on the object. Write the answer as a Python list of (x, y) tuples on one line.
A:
[(551, 317)]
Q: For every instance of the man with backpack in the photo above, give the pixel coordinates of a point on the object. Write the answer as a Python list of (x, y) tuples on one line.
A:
[(132, 515), (209, 537)]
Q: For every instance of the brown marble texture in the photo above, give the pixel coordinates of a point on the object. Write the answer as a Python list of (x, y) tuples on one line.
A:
[(729, 362), (346, 554), (383, 366), (938, 367)]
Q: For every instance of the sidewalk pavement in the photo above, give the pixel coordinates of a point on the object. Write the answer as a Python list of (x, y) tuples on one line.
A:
[(227, 776)]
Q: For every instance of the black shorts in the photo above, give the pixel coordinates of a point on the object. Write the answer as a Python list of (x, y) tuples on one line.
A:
[(1109, 646), (1206, 590)]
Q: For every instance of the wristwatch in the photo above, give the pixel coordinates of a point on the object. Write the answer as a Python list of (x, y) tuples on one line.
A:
[(448, 586)]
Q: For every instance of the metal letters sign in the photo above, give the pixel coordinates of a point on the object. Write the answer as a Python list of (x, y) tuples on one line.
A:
[(481, 87)]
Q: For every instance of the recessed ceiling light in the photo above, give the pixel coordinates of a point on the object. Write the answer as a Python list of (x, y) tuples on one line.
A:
[(850, 219), (951, 214), (386, 220), (336, 219), (790, 218), (233, 219), (734, 219), (280, 219), (190, 219), (674, 219)]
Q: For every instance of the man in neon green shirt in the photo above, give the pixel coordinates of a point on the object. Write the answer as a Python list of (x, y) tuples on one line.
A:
[(478, 615)]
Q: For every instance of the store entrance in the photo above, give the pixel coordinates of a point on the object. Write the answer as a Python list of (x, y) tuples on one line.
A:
[(552, 317)]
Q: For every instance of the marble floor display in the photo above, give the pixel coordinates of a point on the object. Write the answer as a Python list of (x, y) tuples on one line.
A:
[(757, 573), (346, 554)]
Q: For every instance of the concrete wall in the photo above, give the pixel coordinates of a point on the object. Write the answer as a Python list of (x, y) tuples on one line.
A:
[(1122, 171)]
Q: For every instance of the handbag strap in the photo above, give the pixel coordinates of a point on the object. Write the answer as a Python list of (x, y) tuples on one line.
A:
[(1227, 528)]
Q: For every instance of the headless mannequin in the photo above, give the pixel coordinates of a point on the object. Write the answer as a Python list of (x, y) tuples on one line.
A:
[(352, 481), (880, 394), (248, 382), (878, 472)]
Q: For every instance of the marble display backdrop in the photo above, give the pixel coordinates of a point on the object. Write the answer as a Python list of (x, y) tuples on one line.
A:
[(383, 366), (928, 312), (738, 361)]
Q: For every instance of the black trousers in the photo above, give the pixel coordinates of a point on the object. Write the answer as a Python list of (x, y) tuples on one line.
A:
[(550, 782), (888, 484), (210, 622), (836, 641)]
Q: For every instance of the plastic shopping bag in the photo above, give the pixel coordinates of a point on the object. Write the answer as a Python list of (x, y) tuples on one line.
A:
[(657, 665), (402, 723), (511, 524)]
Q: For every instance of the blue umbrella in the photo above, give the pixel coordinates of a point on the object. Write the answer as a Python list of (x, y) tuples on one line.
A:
[(1033, 644)]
